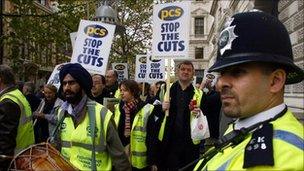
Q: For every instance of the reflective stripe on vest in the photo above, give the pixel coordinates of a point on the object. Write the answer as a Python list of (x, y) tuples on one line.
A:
[(288, 149), (98, 148), (25, 132), (285, 136), (138, 137), (198, 97), (289, 138), (77, 142)]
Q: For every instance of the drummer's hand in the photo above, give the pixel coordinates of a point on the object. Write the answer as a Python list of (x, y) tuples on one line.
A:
[(166, 105)]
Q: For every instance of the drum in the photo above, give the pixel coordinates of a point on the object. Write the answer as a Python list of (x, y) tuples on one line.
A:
[(40, 157)]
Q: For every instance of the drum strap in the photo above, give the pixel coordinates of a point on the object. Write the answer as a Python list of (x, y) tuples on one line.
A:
[(54, 133), (91, 111)]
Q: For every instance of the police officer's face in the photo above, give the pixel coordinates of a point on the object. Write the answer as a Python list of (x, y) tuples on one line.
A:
[(185, 73), (244, 90), (71, 90)]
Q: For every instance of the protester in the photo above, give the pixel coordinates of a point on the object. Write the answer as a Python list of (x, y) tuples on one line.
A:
[(137, 127), (81, 118), (39, 92), (144, 88), (45, 113), (255, 61), (212, 106), (152, 96), (112, 84), (28, 90), (178, 149), (16, 129), (98, 91)]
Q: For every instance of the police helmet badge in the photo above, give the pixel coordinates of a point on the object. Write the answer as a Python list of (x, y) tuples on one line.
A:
[(227, 36)]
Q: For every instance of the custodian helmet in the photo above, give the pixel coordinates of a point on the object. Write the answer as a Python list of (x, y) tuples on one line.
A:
[(256, 37)]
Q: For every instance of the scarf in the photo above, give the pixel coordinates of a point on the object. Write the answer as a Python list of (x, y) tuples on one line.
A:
[(128, 108)]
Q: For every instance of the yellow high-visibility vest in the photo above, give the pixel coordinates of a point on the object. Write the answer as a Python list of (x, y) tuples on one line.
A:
[(25, 133), (138, 146), (288, 146), (117, 94), (77, 142)]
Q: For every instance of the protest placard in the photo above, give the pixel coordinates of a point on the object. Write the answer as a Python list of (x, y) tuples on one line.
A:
[(54, 78), (93, 45), (122, 70), (140, 68), (155, 69), (171, 26)]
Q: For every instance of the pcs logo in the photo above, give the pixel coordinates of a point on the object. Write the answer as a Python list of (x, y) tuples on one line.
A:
[(119, 67), (170, 13), (154, 60), (143, 60), (95, 31)]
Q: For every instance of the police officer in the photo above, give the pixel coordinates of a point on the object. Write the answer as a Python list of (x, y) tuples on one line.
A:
[(16, 128), (255, 62), (88, 136)]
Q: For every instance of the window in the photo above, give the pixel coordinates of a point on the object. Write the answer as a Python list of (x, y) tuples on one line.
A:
[(199, 25), (199, 73), (42, 2), (199, 53)]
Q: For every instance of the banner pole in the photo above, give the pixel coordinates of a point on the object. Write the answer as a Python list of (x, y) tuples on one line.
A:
[(143, 89), (167, 94)]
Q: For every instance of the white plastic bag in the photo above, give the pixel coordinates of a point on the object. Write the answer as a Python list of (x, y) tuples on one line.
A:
[(199, 127)]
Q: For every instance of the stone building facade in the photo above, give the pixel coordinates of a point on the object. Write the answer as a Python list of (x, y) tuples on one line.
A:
[(291, 13), (209, 16)]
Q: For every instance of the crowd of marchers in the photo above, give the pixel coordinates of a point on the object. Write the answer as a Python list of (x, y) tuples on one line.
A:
[(131, 127)]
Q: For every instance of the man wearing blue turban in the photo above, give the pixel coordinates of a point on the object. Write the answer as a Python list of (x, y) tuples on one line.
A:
[(88, 138)]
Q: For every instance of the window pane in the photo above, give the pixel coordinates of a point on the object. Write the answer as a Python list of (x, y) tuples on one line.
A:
[(199, 25), (199, 53)]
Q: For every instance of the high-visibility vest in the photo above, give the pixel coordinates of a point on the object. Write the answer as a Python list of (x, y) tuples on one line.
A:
[(138, 146), (117, 94), (77, 142), (288, 146), (198, 94), (25, 133)]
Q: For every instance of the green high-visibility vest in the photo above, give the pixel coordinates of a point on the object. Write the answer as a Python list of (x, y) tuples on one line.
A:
[(138, 146), (288, 134), (117, 94), (25, 133), (77, 142), (198, 94)]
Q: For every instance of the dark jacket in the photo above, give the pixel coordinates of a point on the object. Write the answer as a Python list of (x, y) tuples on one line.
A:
[(99, 98), (177, 148), (111, 90), (212, 109), (153, 126), (33, 100), (9, 121)]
